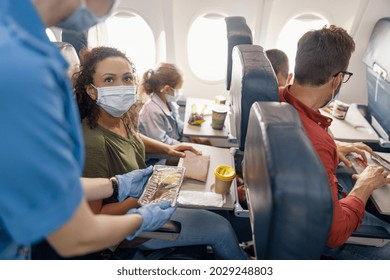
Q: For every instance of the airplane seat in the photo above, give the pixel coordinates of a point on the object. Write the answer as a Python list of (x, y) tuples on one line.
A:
[(253, 79), (69, 53), (377, 60), (78, 40), (238, 32), (287, 188)]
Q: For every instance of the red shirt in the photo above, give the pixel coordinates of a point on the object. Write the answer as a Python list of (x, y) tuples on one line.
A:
[(348, 212)]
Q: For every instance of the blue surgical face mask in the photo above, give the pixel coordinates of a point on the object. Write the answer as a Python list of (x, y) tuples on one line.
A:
[(335, 93), (82, 19), (116, 100)]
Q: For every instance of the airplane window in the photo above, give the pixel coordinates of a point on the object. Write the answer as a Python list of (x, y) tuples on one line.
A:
[(131, 34), (207, 47), (293, 31), (51, 35)]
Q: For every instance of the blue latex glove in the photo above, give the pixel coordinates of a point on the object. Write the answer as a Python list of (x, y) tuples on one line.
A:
[(133, 183), (154, 215)]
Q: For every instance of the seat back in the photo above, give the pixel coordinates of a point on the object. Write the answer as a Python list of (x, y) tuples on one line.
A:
[(288, 194), (238, 32), (77, 39), (377, 60), (70, 55), (253, 79)]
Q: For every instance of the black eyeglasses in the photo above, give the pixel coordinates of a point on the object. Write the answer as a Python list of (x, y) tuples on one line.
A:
[(346, 76)]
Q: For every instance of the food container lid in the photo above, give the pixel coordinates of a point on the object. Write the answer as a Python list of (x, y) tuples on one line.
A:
[(224, 172)]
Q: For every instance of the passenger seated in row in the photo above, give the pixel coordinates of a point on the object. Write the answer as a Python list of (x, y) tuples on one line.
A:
[(159, 118), (279, 62), (321, 67), (105, 89)]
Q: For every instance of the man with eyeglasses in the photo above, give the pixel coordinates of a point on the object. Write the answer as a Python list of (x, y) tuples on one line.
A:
[(321, 61)]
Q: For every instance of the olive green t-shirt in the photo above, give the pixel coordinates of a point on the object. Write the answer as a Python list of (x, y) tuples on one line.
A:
[(109, 154)]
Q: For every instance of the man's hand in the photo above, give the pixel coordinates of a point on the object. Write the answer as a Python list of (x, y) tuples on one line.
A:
[(372, 178), (344, 148)]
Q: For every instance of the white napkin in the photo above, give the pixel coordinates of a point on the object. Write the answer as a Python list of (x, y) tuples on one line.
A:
[(200, 198)]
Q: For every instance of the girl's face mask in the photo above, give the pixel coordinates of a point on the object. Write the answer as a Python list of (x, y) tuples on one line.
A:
[(176, 94)]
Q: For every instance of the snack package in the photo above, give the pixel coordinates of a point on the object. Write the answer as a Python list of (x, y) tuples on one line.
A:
[(195, 117), (359, 165), (381, 161), (197, 166), (164, 184)]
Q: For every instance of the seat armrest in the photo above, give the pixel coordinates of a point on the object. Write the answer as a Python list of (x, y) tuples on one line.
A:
[(372, 232), (169, 231), (376, 236)]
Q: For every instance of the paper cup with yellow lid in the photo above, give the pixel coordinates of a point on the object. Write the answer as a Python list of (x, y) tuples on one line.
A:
[(224, 176)]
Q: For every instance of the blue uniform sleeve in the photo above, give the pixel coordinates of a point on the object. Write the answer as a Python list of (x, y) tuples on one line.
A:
[(42, 150)]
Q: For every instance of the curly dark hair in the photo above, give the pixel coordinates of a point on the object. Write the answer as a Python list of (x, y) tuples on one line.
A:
[(88, 61)]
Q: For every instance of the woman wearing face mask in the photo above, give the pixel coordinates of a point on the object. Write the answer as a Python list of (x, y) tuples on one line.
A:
[(105, 89), (159, 118)]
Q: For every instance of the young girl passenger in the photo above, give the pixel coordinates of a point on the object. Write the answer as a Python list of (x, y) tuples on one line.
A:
[(159, 118)]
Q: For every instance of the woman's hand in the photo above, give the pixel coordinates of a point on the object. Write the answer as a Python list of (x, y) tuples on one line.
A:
[(178, 150), (156, 147), (198, 140)]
